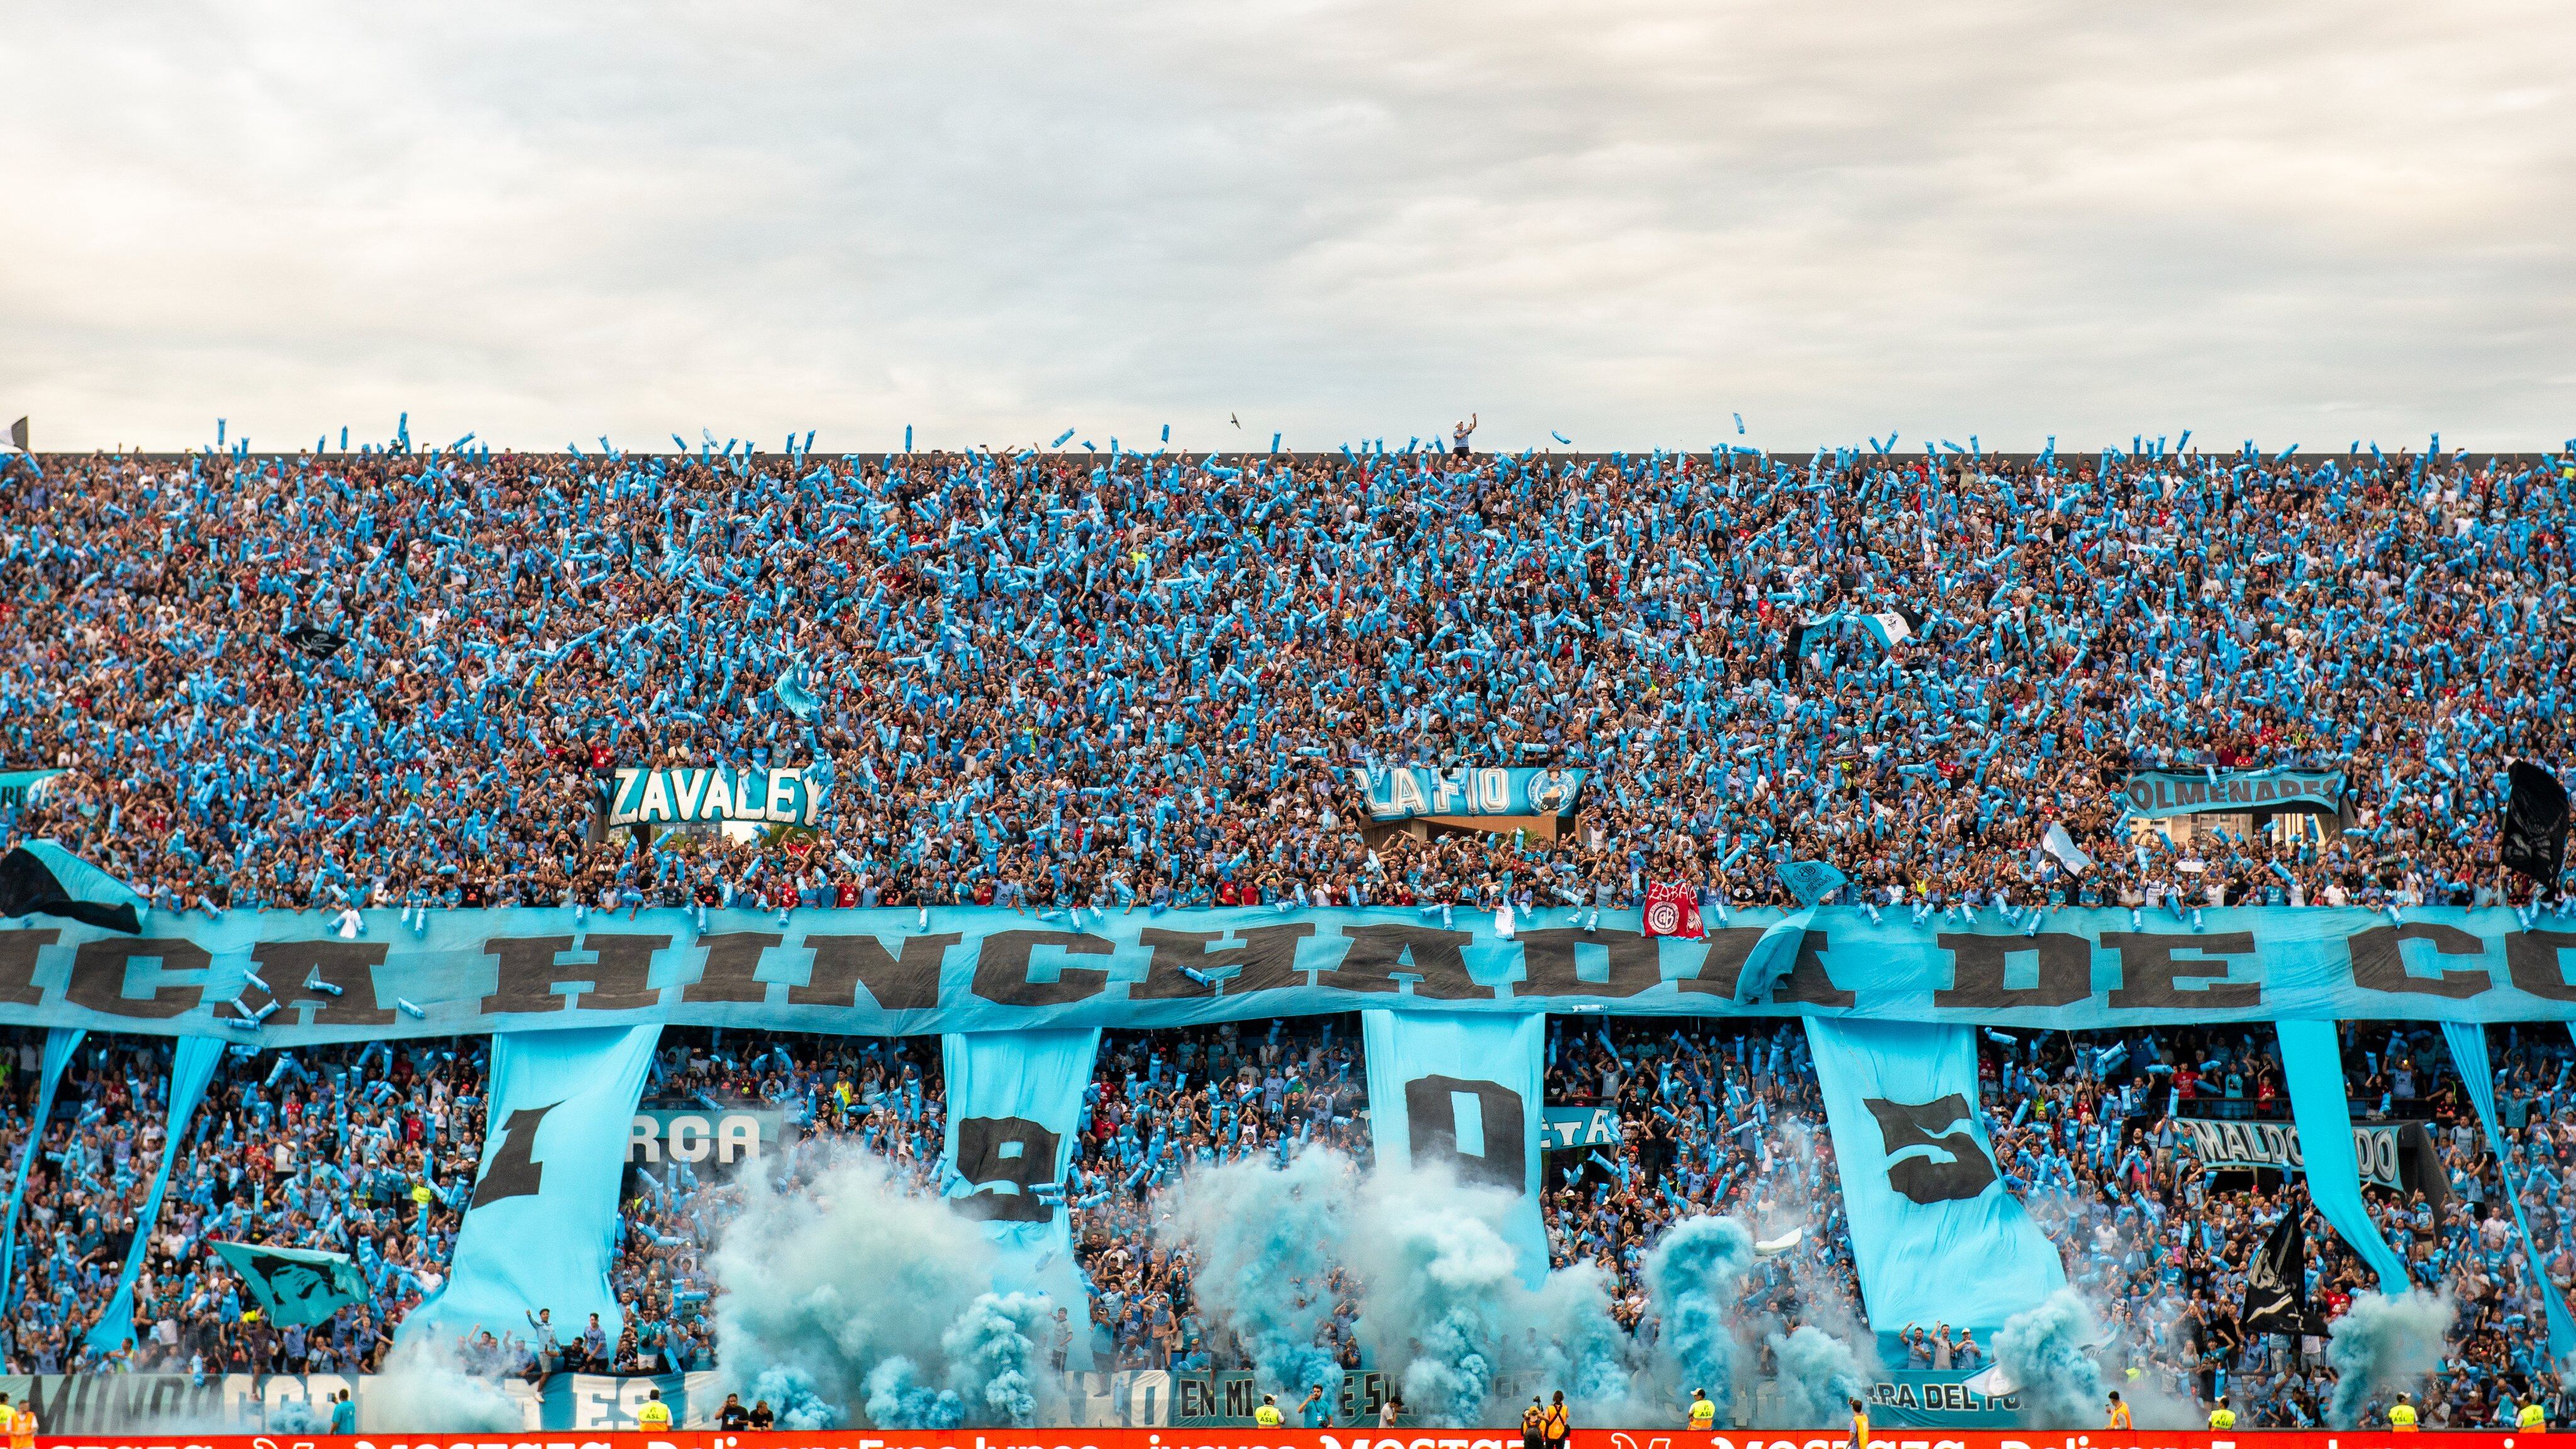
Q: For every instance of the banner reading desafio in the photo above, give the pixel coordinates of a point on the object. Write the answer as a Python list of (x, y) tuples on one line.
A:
[(638, 796), (1406, 791)]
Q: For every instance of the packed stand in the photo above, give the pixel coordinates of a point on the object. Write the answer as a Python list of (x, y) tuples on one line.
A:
[(2086, 1131), (1717, 1118), (1053, 682), (364, 1149), (1162, 1103), (882, 1095)]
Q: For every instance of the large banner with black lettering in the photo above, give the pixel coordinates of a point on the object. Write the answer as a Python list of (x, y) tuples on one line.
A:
[(541, 1227), (2159, 794), (1467, 1091), (1014, 1111), (1934, 1233), (280, 979)]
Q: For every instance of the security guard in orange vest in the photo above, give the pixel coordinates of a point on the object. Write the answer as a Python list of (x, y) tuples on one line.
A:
[(2532, 1419), (2119, 1412), (655, 1416), (22, 1428), (1703, 1413), (2401, 1416)]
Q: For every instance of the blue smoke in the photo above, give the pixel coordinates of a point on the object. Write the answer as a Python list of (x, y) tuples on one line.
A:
[(1694, 1279), (1266, 1238), (1443, 1286), (843, 1292), (897, 1399), (2044, 1352), (294, 1416), (1586, 1350), (989, 1350), (792, 1398), (2381, 1345), (1817, 1375)]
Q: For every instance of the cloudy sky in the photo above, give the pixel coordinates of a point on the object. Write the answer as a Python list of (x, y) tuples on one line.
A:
[(1624, 221)]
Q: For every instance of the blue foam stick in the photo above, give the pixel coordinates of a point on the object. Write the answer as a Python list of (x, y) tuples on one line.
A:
[(1562, 438)]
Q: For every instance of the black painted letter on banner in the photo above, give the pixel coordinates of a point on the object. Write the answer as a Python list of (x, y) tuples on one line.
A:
[(1014, 1150), (1431, 1129), (515, 1171), (1903, 1125)]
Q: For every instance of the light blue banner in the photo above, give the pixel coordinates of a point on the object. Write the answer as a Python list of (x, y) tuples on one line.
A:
[(637, 796), (1934, 1233), (192, 1068), (60, 1044), (1468, 1090), (541, 1227), (1402, 792), (19, 788), (975, 969), (2312, 1069), (2469, 1056), (2159, 794), (1014, 1112)]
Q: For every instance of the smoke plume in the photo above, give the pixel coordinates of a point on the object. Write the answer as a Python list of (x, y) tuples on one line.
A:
[(1817, 1375), (840, 1291), (2044, 1351), (2383, 1344), (1694, 1279), (423, 1390), (1266, 1239)]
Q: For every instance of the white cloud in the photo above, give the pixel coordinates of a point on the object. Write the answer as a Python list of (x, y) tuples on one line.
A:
[(2302, 221)]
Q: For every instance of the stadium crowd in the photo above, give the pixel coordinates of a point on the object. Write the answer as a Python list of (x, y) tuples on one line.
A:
[(307, 681), (370, 1149), (312, 682)]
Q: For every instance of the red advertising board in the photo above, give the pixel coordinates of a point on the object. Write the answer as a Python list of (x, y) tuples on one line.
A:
[(1184, 1438)]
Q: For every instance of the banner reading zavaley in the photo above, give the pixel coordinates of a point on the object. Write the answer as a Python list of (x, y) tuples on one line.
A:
[(638, 796), (2229, 1145), (541, 1228), (1404, 791), (889, 972), (1466, 1090), (2159, 794), (1934, 1234)]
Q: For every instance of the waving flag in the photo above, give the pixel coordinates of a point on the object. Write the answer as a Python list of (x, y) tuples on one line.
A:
[(1893, 627), (295, 1285), (1672, 910), (1811, 880)]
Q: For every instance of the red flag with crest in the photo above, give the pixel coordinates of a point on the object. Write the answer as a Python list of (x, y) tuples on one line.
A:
[(1672, 910)]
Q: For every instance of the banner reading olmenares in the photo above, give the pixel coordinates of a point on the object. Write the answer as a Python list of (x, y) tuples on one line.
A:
[(2162, 794), (894, 972)]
